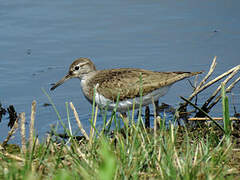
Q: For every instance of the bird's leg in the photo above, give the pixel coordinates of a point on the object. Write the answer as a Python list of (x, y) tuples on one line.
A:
[(147, 117), (156, 113), (156, 107)]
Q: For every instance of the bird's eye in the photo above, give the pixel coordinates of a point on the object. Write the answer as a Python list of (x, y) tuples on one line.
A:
[(76, 68)]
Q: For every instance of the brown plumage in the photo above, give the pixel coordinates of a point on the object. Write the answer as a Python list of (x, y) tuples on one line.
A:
[(127, 82)]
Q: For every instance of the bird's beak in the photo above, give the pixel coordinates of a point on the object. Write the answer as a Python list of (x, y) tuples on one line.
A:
[(65, 78)]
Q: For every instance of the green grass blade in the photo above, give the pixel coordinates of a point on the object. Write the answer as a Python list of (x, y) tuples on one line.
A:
[(225, 107), (68, 119)]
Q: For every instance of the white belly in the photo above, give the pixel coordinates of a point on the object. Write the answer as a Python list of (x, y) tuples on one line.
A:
[(125, 105)]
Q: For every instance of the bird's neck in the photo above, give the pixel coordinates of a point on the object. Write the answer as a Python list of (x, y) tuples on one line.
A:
[(88, 75)]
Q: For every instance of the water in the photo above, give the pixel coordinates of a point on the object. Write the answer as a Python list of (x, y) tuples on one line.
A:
[(39, 40)]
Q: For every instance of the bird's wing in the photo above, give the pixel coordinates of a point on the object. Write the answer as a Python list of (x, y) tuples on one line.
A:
[(126, 83)]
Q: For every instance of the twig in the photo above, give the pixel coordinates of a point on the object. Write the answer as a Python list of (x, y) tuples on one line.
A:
[(196, 89), (78, 121), (218, 89), (31, 130), (211, 69), (231, 76), (23, 134), (195, 81), (215, 118), (228, 89), (11, 132)]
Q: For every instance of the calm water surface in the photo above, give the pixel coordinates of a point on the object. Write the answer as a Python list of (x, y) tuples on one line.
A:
[(39, 40)]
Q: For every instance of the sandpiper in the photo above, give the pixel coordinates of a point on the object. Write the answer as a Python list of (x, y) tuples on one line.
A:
[(122, 86)]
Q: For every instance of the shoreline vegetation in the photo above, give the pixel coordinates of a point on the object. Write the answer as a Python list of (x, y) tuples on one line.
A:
[(198, 150)]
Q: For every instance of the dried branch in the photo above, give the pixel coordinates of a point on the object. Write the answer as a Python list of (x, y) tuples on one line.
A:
[(236, 68), (23, 134), (218, 90), (78, 121), (196, 90), (202, 87), (229, 88), (230, 76), (211, 69)]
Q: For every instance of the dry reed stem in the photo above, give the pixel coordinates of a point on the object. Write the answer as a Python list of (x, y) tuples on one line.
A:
[(31, 130), (11, 132), (214, 118), (23, 132), (79, 122)]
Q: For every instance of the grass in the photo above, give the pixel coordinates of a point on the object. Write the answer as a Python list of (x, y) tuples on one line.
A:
[(132, 152)]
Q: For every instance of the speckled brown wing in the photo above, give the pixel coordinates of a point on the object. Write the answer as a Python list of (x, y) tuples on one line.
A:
[(126, 82)]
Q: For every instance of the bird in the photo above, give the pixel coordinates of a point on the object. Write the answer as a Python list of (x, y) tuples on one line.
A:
[(120, 88)]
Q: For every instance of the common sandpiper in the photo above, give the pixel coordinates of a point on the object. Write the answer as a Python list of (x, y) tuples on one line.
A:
[(121, 87)]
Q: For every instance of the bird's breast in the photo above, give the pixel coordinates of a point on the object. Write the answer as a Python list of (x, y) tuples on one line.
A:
[(127, 104)]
